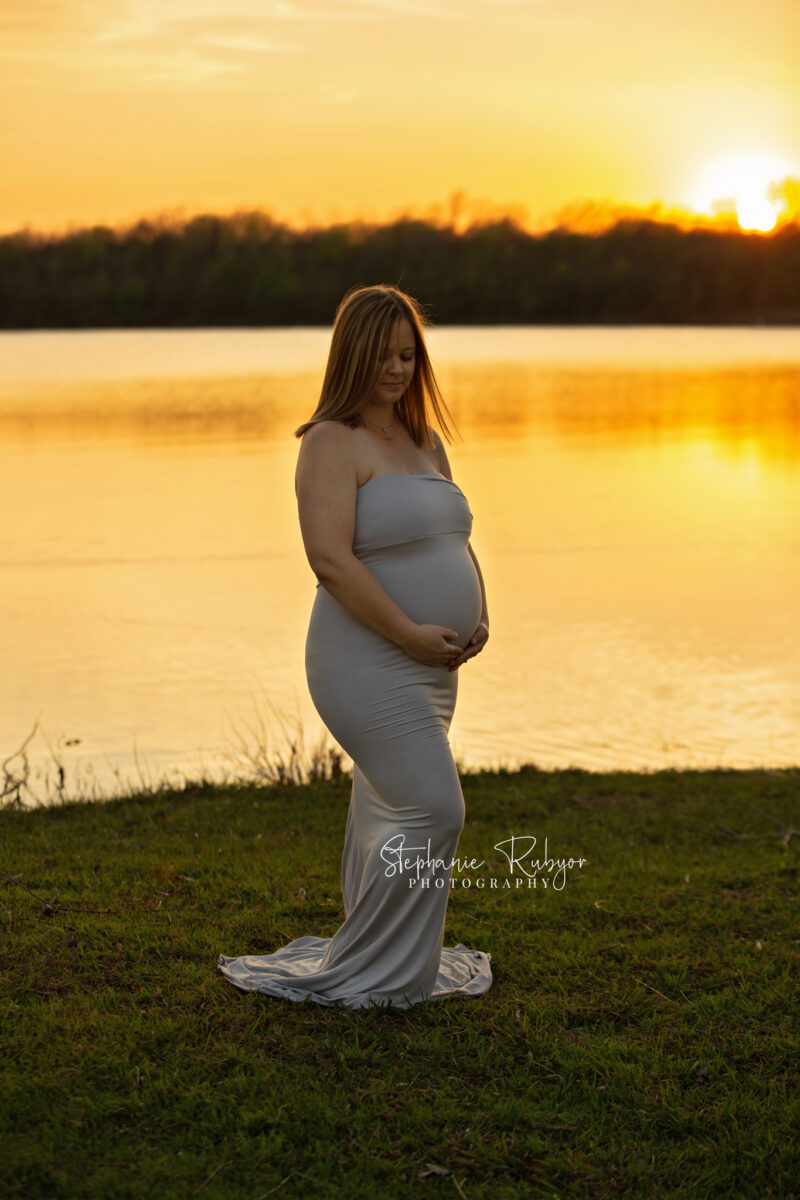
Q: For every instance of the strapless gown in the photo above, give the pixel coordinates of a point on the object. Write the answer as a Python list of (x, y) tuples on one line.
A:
[(391, 715)]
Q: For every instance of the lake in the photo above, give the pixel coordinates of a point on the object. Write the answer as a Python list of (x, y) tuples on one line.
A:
[(636, 501)]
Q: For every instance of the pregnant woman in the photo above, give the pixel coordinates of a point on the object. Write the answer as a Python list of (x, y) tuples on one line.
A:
[(400, 606)]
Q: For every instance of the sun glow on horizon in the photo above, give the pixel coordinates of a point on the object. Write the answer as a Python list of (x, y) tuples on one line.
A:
[(755, 213), (743, 184)]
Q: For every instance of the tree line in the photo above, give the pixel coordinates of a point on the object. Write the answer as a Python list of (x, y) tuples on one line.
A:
[(249, 270)]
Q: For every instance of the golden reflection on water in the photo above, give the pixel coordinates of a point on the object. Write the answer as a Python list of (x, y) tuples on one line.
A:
[(614, 404), (498, 400), (242, 407), (637, 530)]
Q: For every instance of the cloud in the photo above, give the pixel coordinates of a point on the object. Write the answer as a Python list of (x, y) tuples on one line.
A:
[(244, 42), (190, 43), (196, 42)]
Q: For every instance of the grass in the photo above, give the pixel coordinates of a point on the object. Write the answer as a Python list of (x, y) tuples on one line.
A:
[(639, 1038)]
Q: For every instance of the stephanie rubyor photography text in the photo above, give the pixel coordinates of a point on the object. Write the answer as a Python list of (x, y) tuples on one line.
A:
[(523, 869)]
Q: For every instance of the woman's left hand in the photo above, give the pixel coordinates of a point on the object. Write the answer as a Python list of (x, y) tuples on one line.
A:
[(473, 646)]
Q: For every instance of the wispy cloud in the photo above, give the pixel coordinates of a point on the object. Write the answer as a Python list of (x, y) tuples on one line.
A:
[(246, 43), (164, 42), (191, 48), (136, 17)]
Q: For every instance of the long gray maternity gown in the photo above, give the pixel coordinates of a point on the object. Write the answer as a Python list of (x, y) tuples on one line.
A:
[(391, 714)]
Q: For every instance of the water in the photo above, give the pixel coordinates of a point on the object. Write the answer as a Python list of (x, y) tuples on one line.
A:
[(636, 496)]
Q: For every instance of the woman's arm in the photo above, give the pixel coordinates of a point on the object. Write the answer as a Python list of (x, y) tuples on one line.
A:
[(326, 489)]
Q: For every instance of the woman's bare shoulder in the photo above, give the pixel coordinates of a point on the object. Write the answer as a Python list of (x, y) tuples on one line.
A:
[(326, 446), (326, 437), (438, 444), (326, 429), (440, 454)]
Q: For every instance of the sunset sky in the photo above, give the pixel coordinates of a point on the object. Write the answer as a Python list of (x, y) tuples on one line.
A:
[(323, 110)]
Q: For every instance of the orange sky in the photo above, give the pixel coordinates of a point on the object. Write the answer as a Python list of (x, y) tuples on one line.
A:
[(315, 110)]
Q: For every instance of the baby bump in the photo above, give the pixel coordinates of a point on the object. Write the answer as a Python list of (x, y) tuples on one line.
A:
[(361, 681), (433, 580)]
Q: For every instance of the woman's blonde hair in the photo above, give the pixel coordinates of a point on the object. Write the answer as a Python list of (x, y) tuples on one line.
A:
[(361, 329)]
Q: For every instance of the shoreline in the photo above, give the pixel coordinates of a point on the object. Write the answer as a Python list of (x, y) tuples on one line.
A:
[(341, 781)]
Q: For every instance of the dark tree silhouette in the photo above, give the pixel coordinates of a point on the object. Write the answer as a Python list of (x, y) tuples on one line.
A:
[(248, 269)]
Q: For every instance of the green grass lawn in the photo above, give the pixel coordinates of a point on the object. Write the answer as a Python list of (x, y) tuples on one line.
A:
[(640, 1037)]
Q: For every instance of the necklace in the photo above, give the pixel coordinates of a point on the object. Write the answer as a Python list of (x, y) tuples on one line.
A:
[(382, 428)]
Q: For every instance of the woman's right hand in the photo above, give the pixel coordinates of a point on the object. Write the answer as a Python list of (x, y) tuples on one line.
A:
[(432, 645)]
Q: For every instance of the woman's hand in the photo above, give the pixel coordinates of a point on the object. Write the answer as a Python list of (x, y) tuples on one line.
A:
[(429, 645), (474, 646)]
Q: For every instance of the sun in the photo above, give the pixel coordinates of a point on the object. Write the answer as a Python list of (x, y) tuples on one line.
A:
[(740, 183), (754, 212)]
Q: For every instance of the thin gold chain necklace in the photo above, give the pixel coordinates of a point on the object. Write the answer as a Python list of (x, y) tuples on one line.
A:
[(382, 428)]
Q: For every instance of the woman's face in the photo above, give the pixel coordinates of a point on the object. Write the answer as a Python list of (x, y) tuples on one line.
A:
[(399, 361)]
